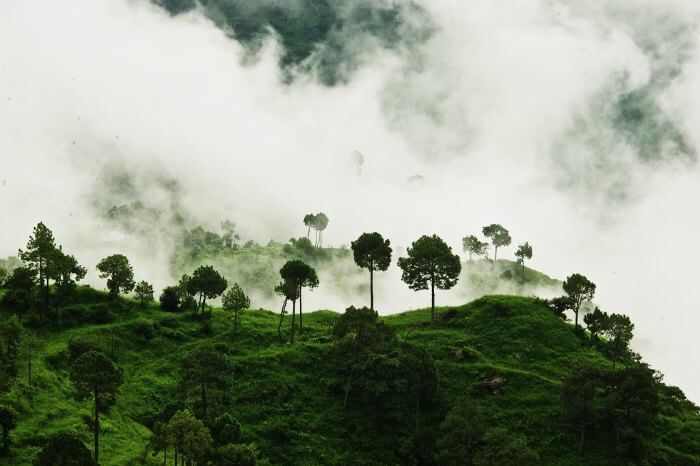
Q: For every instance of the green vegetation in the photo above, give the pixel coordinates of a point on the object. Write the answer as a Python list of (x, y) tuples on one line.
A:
[(500, 380)]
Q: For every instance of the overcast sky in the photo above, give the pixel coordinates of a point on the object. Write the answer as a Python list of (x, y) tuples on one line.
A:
[(575, 127)]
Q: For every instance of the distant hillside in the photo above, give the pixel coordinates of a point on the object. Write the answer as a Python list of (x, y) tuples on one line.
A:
[(288, 402)]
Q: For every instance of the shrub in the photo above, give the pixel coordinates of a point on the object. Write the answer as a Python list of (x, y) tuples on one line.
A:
[(56, 360), (143, 328), (172, 334), (169, 322), (170, 299), (225, 429), (78, 345), (64, 449)]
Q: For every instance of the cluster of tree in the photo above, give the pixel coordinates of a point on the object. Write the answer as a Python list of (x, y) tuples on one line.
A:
[(28, 288), (499, 237), (466, 439), (296, 275), (17, 343), (379, 370), (616, 328), (318, 222), (579, 291), (613, 407)]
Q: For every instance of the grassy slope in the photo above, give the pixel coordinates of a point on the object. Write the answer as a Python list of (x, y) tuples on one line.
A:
[(281, 396)]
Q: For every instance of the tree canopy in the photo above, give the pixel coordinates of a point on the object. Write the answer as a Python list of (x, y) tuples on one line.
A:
[(499, 237), (430, 264), (118, 272), (372, 252)]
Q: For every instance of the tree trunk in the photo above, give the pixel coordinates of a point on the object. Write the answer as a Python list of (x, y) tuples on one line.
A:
[(523, 271), (165, 456), (347, 393), (175, 457), (294, 317), (614, 358), (371, 288), (576, 318), (97, 429), (432, 301), (582, 437), (204, 301), (301, 325), (204, 399), (279, 327), (308, 233), (417, 410)]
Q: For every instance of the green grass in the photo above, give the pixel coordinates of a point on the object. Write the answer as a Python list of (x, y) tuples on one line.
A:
[(283, 398)]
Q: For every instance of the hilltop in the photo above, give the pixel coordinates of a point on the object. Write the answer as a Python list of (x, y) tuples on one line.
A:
[(509, 355)]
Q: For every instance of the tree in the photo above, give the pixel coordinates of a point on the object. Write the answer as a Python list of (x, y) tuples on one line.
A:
[(430, 264), (239, 454), (20, 290), (118, 272), (596, 321), (290, 291), (64, 449), (225, 429), (31, 344), (8, 421), (372, 252), (310, 222), (4, 275), (302, 275), (362, 343), (420, 374), (11, 332), (205, 367), (618, 329), (524, 252), (503, 448), (580, 397), (40, 250), (234, 301), (461, 433), (499, 237), (207, 283), (94, 374), (189, 436), (65, 271), (144, 292), (579, 289), (472, 245), (320, 224), (229, 236), (170, 299)]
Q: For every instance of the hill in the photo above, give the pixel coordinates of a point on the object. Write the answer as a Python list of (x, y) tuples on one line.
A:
[(289, 403)]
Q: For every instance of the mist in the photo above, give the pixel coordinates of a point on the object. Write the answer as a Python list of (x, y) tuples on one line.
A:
[(570, 125)]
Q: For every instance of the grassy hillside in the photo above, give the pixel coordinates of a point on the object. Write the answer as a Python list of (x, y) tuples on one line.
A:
[(285, 399)]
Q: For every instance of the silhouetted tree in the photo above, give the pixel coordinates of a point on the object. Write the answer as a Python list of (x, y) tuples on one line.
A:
[(11, 332), (618, 329), (118, 272), (524, 252), (302, 275), (290, 291), (20, 290), (430, 264), (170, 299), (94, 374), (205, 367), (309, 221), (472, 245), (234, 301), (372, 252), (580, 289), (499, 237), (320, 223), (144, 292), (40, 251), (65, 271), (207, 283), (596, 322)]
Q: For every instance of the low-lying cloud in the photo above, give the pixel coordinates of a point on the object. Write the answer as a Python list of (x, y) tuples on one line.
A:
[(574, 126)]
